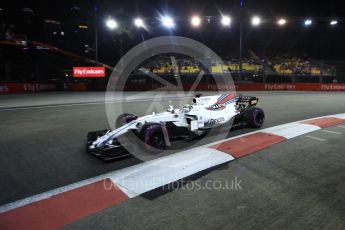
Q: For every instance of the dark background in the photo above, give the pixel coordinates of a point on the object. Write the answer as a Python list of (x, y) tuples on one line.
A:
[(319, 41)]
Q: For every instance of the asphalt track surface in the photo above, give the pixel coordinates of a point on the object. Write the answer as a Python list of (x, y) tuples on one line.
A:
[(296, 184), (43, 135)]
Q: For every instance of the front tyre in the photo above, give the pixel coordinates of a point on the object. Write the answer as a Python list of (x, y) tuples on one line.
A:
[(254, 117), (153, 138)]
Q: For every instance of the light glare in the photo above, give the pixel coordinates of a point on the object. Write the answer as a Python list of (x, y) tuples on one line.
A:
[(138, 22), (226, 20), (333, 22), (168, 22), (256, 21), (111, 23), (308, 22), (281, 22), (195, 21)]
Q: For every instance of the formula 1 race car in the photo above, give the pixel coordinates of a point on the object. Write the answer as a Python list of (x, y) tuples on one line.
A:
[(191, 121)]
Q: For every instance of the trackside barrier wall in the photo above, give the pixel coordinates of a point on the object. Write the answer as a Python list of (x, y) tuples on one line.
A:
[(249, 87), (290, 87), (9, 88)]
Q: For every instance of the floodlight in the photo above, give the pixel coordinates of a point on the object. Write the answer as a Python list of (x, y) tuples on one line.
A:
[(226, 21), (111, 23), (138, 22), (333, 22), (281, 22), (195, 21), (256, 21), (167, 21), (308, 22)]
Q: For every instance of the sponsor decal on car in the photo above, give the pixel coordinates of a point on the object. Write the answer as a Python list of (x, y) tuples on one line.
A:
[(216, 107), (215, 121), (222, 102)]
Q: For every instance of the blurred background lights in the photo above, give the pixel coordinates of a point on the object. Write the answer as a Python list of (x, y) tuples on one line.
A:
[(281, 22), (256, 21), (333, 22), (111, 23), (308, 22), (226, 20), (195, 21), (138, 22), (167, 21)]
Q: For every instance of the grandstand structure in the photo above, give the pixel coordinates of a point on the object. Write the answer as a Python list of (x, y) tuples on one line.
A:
[(254, 68), (299, 66), (234, 66), (253, 65)]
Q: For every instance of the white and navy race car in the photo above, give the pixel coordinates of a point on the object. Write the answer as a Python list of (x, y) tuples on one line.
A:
[(155, 131)]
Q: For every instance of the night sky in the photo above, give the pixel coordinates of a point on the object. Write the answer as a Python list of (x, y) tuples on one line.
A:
[(318, 41)]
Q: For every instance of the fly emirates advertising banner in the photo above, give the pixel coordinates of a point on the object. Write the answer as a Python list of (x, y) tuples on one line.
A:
[(91, 71)]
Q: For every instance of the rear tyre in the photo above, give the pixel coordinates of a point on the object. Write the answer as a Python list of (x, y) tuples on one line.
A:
[(153, 138), (254, 117), (124, 119)]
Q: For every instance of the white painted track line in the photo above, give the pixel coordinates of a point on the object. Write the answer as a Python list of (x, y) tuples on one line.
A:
[(316, 138), (332, 132)]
